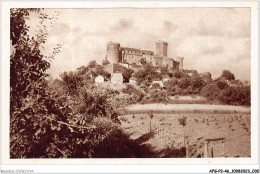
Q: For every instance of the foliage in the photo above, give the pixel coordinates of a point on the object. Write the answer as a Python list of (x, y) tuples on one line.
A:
[(182, 120), (64, 118), (210, 91), (184, 83), (222, 84), (126, 72), (99, 70), (143, 61), (178, 74), (147, 74), (236, 95), (29, 102), (136, 95), (157, 96), (197, 84), (221, 92), (170, 86), (92, 64), (72, 81), (105, 62), (228, 75)]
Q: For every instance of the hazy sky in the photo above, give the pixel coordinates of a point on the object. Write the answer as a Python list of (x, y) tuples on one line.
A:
[(209, 39)]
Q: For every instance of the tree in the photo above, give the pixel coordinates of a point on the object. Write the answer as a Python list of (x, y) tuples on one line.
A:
[(235, 95), (143, 61), (170, 86), (210, 91), (184, 82), (28, 98), (105, 62), (92, 64), (228, 75), (55, 124), (72, 81), (222, 84), (196, 84), (178, 74)]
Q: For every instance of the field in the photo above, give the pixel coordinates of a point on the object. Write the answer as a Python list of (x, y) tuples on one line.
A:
[(185, 108), (166, 137)]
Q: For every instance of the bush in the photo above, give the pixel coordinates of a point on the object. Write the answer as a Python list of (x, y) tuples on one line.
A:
[(184, 82), (157, 96), (236, 96), (220, 92), (197, 84), (222, 84), (182, 120), (226, 74), (147, 74), (170, 86), (210, 91), (72, 81), (135, 94)]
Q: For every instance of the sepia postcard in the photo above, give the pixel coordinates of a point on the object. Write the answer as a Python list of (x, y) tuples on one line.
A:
[(129, 83)]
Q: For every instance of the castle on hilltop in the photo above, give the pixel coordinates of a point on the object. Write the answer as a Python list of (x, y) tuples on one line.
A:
[(132, 56)]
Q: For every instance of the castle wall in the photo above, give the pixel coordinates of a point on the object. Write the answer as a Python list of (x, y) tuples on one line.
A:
[(148, 56), (133, 56), (167, 63), (175, 65), (180, 60), (157, 61)]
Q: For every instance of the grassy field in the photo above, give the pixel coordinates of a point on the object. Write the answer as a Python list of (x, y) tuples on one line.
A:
[(166, 137), (185, 108)]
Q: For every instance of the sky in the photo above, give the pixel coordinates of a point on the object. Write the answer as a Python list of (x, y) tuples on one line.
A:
[(209, 39)]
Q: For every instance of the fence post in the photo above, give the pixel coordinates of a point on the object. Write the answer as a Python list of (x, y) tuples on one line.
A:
[(206, 149), (187, 147), (223, 145), (211, 147)]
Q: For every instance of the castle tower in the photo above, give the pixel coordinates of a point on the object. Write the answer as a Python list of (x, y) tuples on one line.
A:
[(113, 52), (161, 48), (180, 60)]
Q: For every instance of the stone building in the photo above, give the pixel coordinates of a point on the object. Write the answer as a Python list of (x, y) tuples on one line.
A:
[(133, 56), (117, 78), (99, 79)]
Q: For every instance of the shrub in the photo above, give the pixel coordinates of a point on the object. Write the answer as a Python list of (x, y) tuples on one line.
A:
[(197, 84), (182, 120), (170, 86), (228, 75), (236, 96), (222, 84), (210, 91), (136, 95), (184, 82), (72, 81)]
